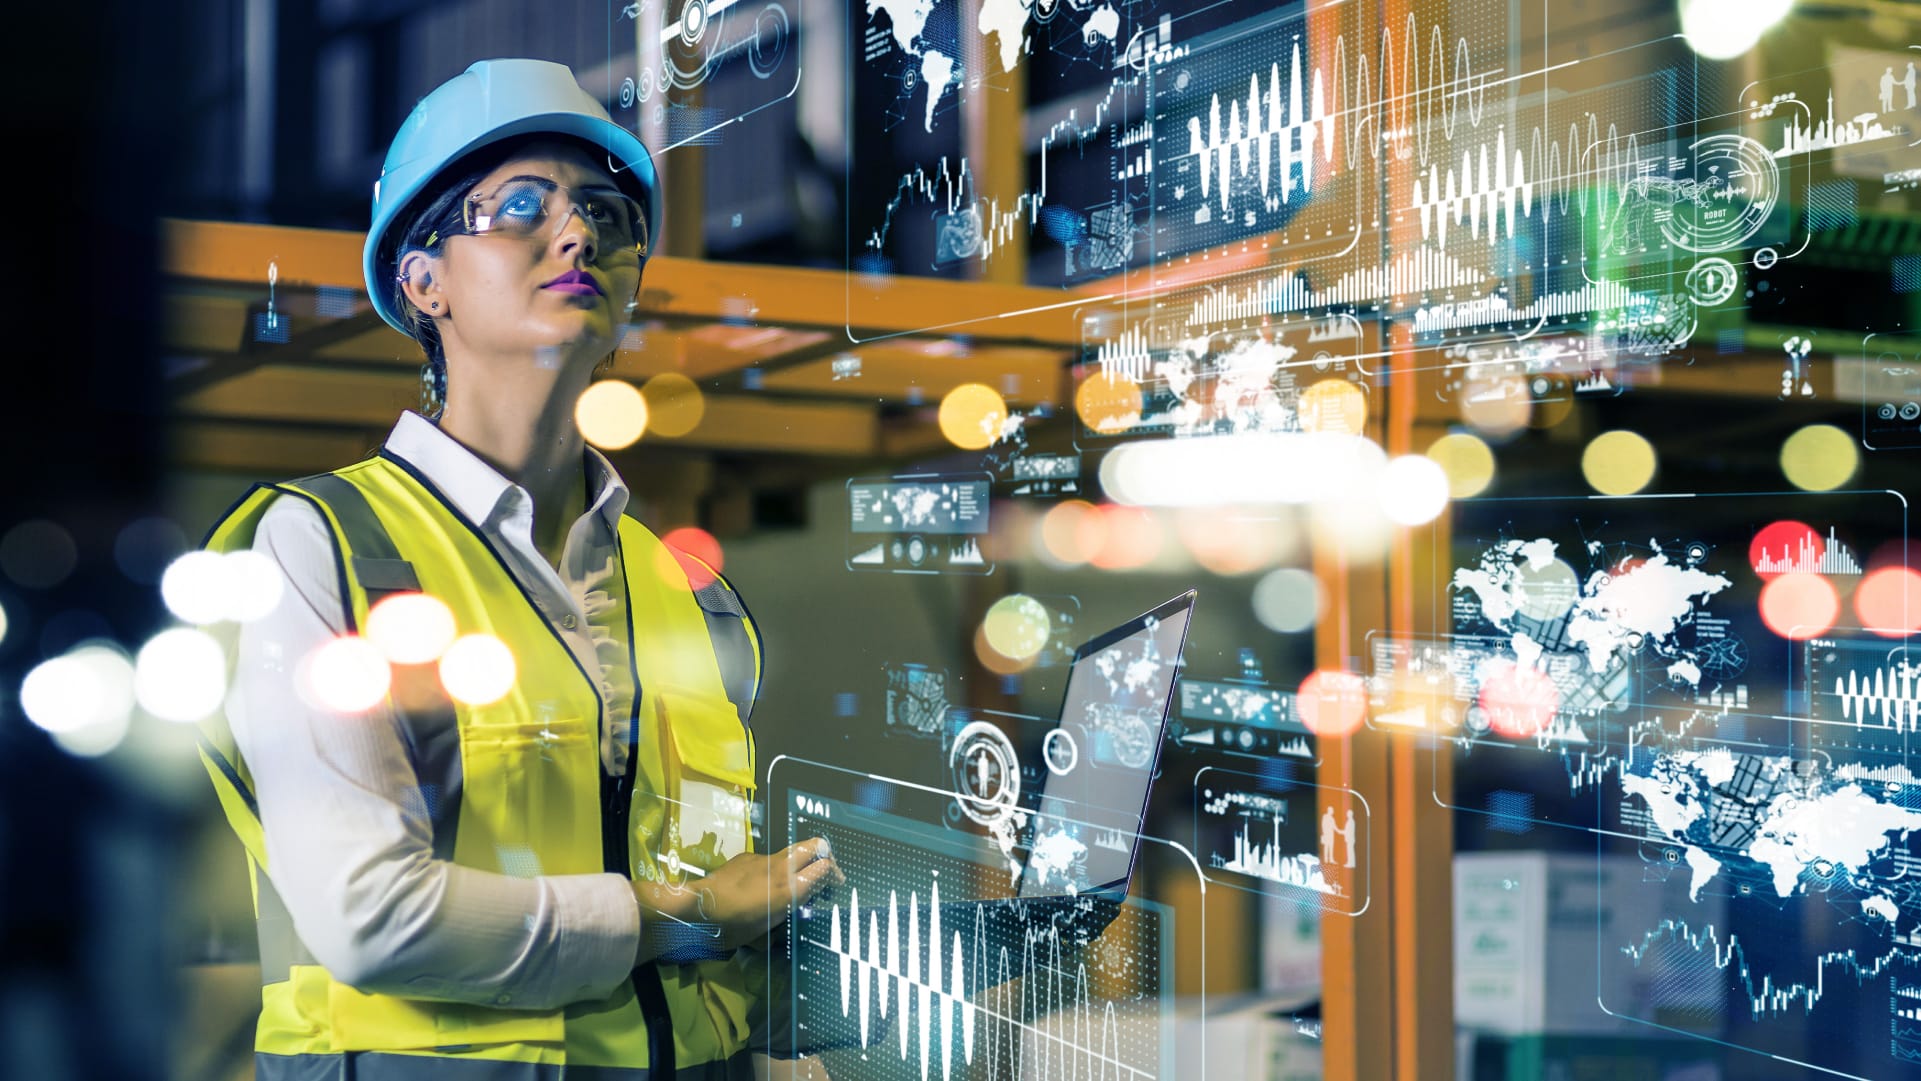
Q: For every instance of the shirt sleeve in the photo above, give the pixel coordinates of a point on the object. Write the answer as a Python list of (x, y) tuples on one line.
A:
[(349, 843)]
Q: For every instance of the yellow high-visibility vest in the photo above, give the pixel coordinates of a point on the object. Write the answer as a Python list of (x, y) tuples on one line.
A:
[(533, 797)]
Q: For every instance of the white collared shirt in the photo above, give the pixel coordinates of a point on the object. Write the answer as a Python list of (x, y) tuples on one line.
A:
[(353, 864)]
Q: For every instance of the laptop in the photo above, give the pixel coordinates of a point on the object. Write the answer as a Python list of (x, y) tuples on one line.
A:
[(1099, 765)]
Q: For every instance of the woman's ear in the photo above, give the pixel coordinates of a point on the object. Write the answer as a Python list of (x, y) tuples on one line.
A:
[(418, 283)]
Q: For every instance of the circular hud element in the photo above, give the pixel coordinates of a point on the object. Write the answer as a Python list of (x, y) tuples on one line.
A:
[(987, 776), (1724, 195), (1711, 281)]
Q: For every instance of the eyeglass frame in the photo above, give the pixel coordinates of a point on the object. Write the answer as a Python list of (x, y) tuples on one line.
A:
[(577, 197)]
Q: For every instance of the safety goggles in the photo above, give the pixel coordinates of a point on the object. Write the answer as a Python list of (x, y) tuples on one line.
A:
[(534, 208)]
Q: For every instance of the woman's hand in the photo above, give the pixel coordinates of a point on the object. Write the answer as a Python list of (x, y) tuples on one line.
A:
[(748, 895)]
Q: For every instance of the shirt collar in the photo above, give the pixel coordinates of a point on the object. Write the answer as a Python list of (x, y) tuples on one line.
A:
[(477, 489)]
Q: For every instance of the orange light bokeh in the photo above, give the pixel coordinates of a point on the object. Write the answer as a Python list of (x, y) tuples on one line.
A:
[(1798, 606)]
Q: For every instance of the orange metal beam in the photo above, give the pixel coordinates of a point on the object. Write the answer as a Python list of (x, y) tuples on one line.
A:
[(674, 287)]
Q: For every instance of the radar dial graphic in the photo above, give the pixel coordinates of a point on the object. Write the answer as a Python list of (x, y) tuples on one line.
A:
[(1728, 189)]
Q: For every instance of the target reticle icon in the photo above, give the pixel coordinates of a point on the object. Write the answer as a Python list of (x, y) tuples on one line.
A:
[(987, 777)]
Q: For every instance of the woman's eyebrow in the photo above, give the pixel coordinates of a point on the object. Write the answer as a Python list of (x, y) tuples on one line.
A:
[(552, 183)]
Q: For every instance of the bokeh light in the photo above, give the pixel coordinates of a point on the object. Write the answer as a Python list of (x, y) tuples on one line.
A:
[(1288, 600), (1497, 407), (993, 659), (91, 687), (194, 587), (694, 541), (1413, 489), (1518, 700), (1618, 463), (1332, 703), (1785, 545), (1072, 531), (1017, 626), (477, 669), (1819, 458), (1799, 605), (611, 414), (347, 675), (971, 416), (411, 628), (1107, 403), (674, 404), (1467, 461), (144, 547), (1333, 405), (1132, 538), (180, 675), (1889, 601), (38, 554), (1228, 541), (3, 623), (252, 584)]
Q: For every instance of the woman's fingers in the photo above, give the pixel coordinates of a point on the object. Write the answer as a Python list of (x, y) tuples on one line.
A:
[(817, 874), (814, 848)]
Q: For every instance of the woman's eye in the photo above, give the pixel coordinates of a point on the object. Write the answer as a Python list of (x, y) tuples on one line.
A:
[(524, 205)]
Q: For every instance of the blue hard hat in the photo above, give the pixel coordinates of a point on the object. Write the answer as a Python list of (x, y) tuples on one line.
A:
[(491, 101)]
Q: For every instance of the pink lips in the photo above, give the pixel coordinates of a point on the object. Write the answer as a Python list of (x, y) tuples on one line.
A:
[(575, 283)]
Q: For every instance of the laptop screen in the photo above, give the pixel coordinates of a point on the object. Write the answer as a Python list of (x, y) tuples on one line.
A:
[(1100, 762)]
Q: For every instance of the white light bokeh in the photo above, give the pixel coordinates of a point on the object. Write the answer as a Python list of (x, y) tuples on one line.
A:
[(3, 623), (1724, 29), (87, 694), (411, 628), (1248, 469), (195, 587), (1413, 489), (477, 669), (1288, 600), (180, 675), (253, 585), (347, 675)]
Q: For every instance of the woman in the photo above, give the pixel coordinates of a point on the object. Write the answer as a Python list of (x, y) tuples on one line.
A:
[(559, 878)]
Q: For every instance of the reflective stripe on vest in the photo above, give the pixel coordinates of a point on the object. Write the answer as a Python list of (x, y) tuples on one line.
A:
[(373, 1066), (515, 786)]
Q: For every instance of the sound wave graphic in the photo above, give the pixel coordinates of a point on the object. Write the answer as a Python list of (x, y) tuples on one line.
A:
[(1893, 694), (1767, 997), (1126, 356), (1258, 136), (1481, 194), (883, 969)]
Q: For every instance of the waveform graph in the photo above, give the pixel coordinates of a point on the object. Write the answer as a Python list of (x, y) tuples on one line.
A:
[(1864, 700), (1287, 838), (1788, 1005), (1243, 134), (925, 967)]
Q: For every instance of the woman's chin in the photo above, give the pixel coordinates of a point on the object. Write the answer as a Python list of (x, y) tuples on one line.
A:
[(589, 334)]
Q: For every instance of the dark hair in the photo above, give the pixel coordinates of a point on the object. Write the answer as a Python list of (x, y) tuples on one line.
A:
[(433, 216)]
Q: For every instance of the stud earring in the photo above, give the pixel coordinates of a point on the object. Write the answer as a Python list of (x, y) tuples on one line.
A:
[(434, 307)]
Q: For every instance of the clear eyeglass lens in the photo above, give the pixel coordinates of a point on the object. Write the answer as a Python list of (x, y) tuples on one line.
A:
[(525, 208)]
